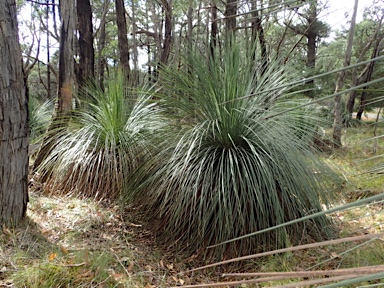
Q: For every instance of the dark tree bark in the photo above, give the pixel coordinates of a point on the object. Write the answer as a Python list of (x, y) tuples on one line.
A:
[(258, 32), (214, 29), (230, 19), (122, 37), (166, 49), (362, 78), (338, 120), (13, 121), (102, 63), (363, 97), (66, 58), (86, 50), (312, 29), (63, 106)]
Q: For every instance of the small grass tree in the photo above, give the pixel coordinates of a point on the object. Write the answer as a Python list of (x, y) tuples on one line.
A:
[(235, 161), (105, 140)]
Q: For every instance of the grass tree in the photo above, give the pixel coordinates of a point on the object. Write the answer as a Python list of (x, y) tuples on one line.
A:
[(235, 161), (39, 116), (104, 142)]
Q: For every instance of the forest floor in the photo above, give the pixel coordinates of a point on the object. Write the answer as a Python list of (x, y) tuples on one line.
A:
[(66, 241)]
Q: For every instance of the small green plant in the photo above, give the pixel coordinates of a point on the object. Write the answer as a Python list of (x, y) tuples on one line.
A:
[(39, 116), (81, 270)]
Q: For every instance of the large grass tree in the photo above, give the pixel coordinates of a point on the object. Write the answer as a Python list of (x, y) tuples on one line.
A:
[(237, 159)]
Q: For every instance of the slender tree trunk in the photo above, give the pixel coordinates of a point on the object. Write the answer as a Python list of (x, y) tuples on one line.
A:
[(166, 49), (87, 52), (311, 35), (363, 98), (48, 56), (135, 74), (362, 78), (214, 29), (122, 37), (230, 19), (66, 58), (13, 121), (338, 121), (258, 32), (63, 106), (101, 44)]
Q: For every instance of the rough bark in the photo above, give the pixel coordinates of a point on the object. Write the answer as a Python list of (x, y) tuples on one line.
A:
[(166, 49), (338, 121), (363, 97), (63, 106), (214, 29), (13, 121), (86, 50), (102, 63), (258, 33), (230, 19), (362, 78), (122, 37)]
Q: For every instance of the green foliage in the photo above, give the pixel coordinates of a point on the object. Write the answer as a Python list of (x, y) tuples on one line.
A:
[(39, 116), (103, 144), (57, 273), (234, 161)]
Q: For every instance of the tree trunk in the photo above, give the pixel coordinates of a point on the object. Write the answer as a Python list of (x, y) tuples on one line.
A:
[(13, 121), (258, 32), (363, 99), (122, 37), (102, 63), (166, 49), (214, 29), (362, 78), (87, 52), (311, 35), (338, 121), (230, 19), (63, 106)]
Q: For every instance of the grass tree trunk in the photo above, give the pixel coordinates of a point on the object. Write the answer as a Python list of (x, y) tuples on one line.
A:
[(338, 120), (13, 121)]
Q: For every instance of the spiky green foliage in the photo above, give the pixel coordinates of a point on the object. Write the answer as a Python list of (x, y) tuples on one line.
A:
[(39, 116), (233, 164), (103, 144)]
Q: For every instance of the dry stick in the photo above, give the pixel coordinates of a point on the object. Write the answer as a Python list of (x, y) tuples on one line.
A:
[(293, 285), (290, 249), (317, 281), (297, 274), (218, 284)]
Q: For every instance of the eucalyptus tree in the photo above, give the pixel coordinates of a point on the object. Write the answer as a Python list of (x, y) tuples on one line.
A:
[(86, 69), (313, 29), (66, 78), (369, 40), (337, 122), (122, 37), (13, 121)]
